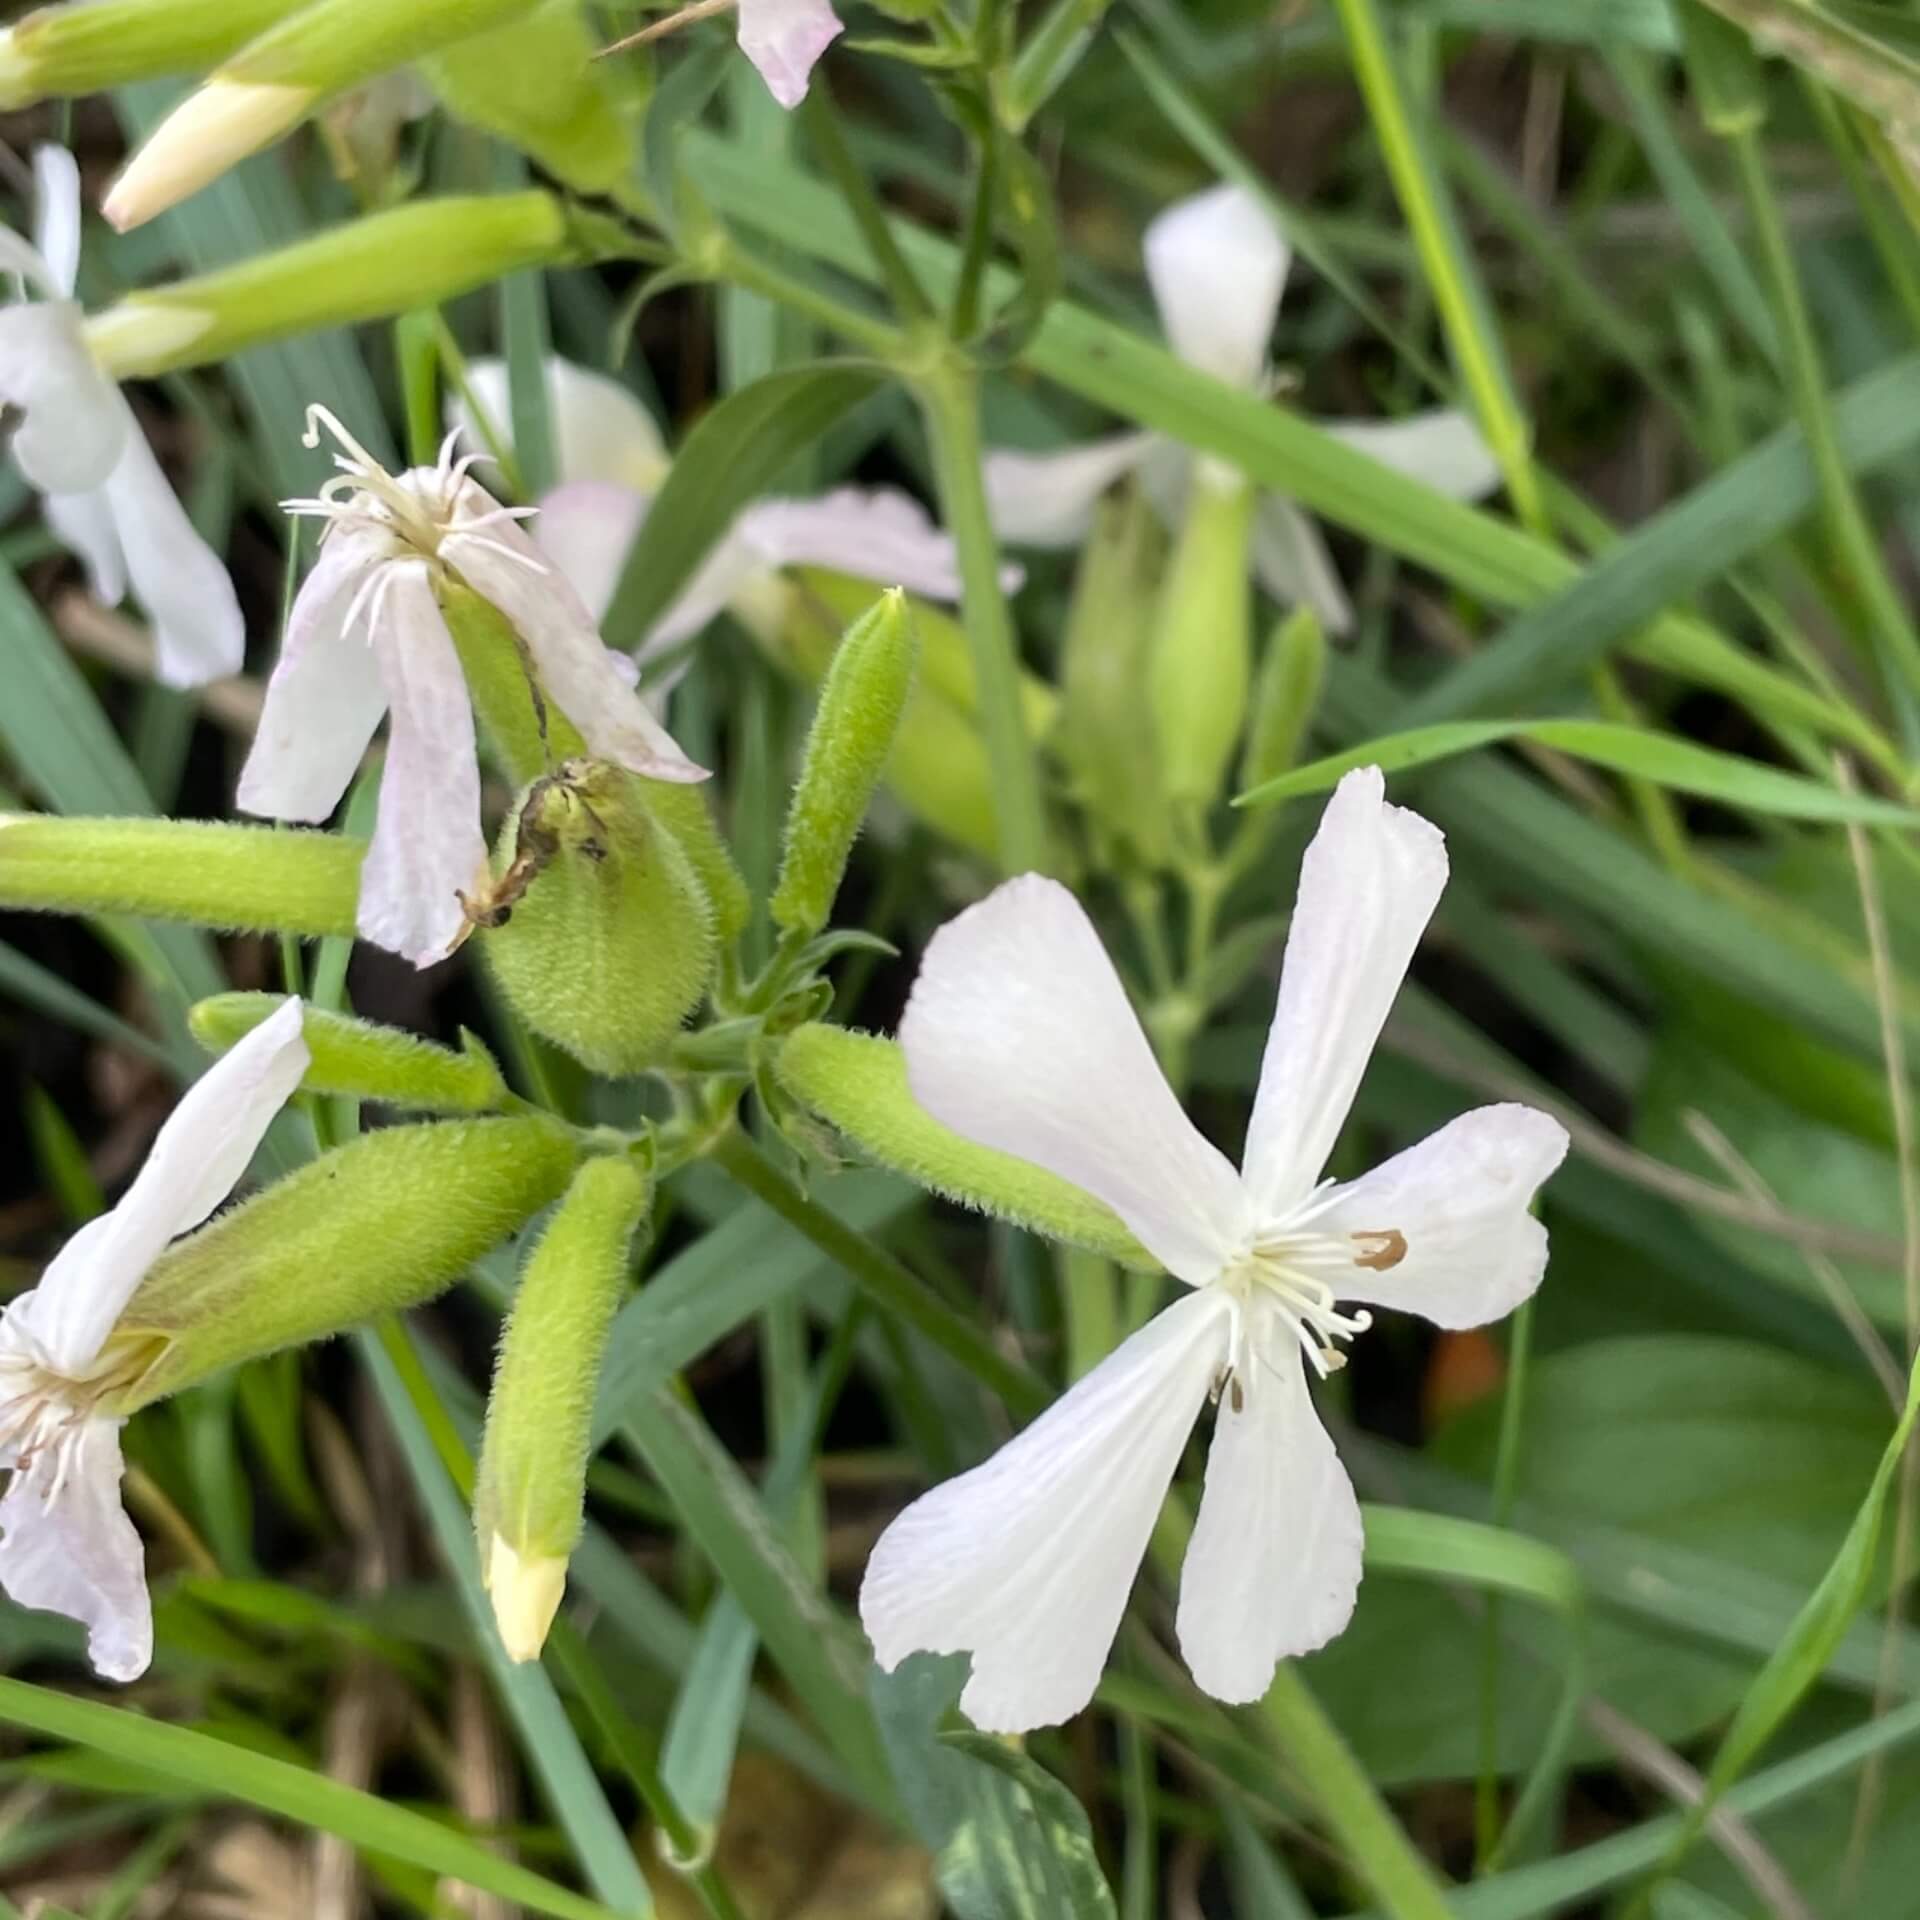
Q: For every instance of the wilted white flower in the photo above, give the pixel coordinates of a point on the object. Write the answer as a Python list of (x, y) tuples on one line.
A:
[(1019, 1036), (366, 637), (1218, 266), (611, 460), (82, 449), (65, 1542)]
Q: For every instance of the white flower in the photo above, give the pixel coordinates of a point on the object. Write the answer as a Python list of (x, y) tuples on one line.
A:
[(1218, 267), (1019, 1036), (611, 460), (82, 449), (65, 1543), (366, 636), (783, 39)]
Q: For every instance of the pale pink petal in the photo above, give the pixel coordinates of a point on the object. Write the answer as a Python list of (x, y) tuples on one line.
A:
[(67, 1546), (427, 846), (73, 423), (1274, 1564), (1026, 1562), (1444, 448), (83, 524), (877, 534), (1218, 265), (783, 39), (196, 1160), (1047, 499), (1458, 1202), (733, 566), (325, 697), (1019, 1035), (199, 633), (1291, 561), (601, 432), (1368, 886), (56, 217), (585, 528)]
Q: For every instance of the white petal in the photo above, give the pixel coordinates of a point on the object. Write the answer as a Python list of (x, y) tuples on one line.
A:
[(1274, 1563), (1444, 448), (1047, 499), (1018, 1035), (783, 39), (74, 1551), (1026, 1562), (197, 1159), (74, 425), (427, 846), (733, 566), (1291, 561), (83, 523), (1368, 886), (585, 529), (1459, 1200), (325, 698), (877, 534), (1218, 265), (198, 631), (502, 565), (600, 429), (56, 216)]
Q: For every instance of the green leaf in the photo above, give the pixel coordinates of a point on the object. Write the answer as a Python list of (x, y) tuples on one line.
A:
[(1662, 758), (727, 461)]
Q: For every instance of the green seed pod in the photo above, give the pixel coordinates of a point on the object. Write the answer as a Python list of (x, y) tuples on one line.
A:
[(333, 44), (597, 929), (211, 873), (1198, 659), (357, 1057), (87, 46), (1286, 697), (858, 1083), (373, 1227), (530, 1493), (854, 728)]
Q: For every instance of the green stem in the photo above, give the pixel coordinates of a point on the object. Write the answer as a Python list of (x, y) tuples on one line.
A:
[(909, 298), (950, 399), (978, 246), (734, 263), (880, 1276)]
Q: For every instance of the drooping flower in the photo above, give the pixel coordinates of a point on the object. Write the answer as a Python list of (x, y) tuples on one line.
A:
[(784, 39), (1018, 1035), (65, 1543), (1218, 267), (611, 460), (80, 446), (366, 637)]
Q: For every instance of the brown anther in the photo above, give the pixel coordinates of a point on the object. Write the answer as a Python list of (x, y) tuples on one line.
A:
[(1237, 1398), (1385, 1249)]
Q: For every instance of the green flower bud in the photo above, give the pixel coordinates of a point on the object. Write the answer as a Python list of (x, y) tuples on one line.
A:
[(858, 1082), (261, 879), (412, 256), (1106, 734), (87, 46), (359, 1058), (373, 1227), (1197, 667), (597, 928), (854, 728), (1286, 698), (533, 83), (529, 1497)]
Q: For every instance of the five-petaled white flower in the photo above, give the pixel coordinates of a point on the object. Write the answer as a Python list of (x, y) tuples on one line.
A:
[(1218, 266), (1019, 1036), (611, 460), (65, 1542), (366, 636), (80, 446)]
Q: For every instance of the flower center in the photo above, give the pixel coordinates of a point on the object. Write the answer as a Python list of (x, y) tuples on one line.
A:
[(44, 1411)]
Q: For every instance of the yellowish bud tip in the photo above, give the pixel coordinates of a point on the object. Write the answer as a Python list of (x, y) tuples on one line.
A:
[(16, 77), (526, 1595), (205, 135)]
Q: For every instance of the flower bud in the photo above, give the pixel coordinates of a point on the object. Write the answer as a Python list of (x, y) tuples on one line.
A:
[(373, 1227), (273, 82), (87, 46), (411, 256), (1197, 666), (858, 1082), (362, 1059), (530, 1493), (597, 927), (854, 728), (1286, 698), (260, 879)]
